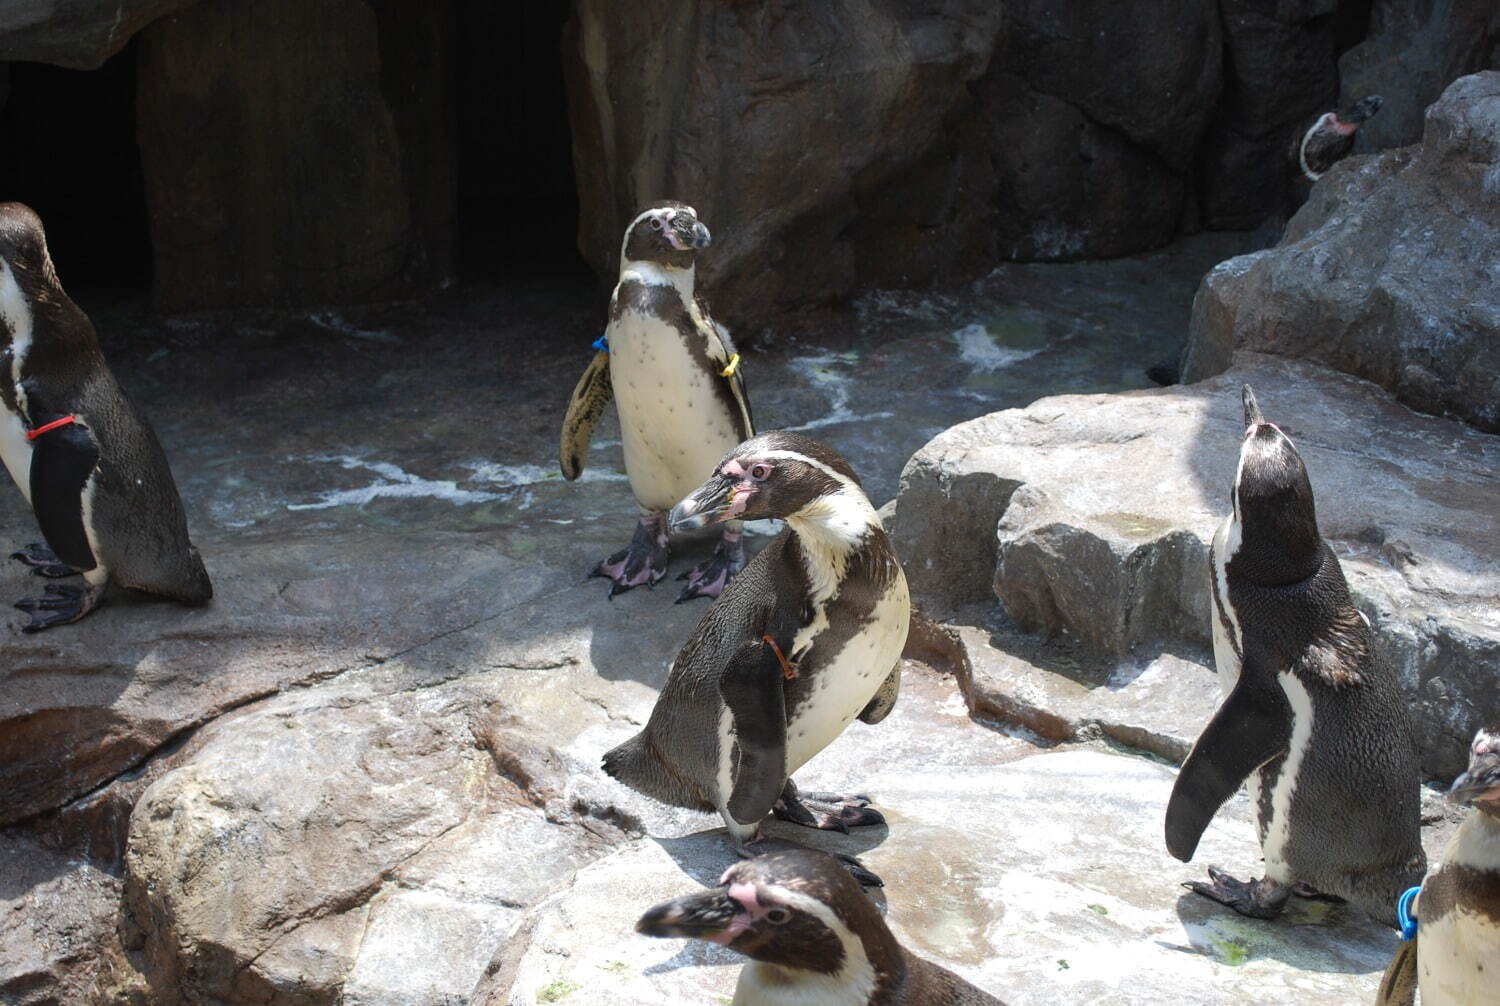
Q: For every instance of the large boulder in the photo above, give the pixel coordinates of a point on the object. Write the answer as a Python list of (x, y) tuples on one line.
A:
[(1410, 53), (1089, 518), (768, 119), (78, 34), (1388, 272), (293, 154)]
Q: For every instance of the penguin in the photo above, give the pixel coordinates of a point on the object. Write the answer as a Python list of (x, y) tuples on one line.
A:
[(1455, 953), (812, 936), (1317, 726), (1319, 145), (84, 458), (679, 390), (805, 639)]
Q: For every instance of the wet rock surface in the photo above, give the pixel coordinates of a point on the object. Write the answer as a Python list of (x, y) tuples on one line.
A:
[(80, 34), (1090, 517), (368, 772), (1387, 272)]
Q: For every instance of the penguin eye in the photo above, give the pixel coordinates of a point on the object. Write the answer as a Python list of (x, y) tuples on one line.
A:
[(759, 472), (777, 916), (656, 223)]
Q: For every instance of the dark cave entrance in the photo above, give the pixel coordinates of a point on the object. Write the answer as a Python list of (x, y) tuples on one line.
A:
[(68, 150), (516, 210)]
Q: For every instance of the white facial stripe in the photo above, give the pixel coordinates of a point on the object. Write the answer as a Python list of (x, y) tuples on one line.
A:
[(1308, 172), (857, 976), (820, 466), (16, 314)]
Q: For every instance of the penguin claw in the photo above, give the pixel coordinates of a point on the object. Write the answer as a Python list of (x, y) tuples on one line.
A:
[(861, 873), (1256, 899), (641, 563), (43, 561), (827, 811), (59, 604), (710, 577)]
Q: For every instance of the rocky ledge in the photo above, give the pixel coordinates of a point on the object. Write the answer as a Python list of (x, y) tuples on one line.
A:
[(1089, 518)]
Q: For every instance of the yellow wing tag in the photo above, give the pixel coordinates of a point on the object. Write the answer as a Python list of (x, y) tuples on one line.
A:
[(734, 364)]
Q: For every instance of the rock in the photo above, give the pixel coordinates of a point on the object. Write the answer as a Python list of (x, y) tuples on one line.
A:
[(59, 918), (1101, 507), (78, 34), (295, 855), (767, 120), (296, 174), (1410, 54), (983, 877), (1280, 69), (1388, 272)]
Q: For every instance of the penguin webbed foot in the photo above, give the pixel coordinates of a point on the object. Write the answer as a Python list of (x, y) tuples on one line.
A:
[(641, 563), (826, 811), (1255, 899), (43, 561), (710, 577), (59, 604)]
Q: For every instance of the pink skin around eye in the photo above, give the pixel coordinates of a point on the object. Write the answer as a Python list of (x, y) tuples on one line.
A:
[(744, 894), (1342, 128)]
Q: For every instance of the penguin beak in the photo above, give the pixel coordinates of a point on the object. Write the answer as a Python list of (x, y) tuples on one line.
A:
[(701, 238), (1361, 111), (1253, 417), (1483, 777), (709, 504), (688, 237), (711, 915)]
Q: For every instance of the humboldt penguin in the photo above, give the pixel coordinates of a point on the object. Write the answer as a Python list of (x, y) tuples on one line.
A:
[(1315, 724), (679, 390), (1319, 145), (812, 936), (808, 637), (84, 458), (1455, 955)]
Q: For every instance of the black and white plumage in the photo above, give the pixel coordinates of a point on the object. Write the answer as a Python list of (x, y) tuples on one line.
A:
[(98, 483), (1455, 958), (676, 381), (1319, 145), (813, 937), (1311, 720), (807, 638)]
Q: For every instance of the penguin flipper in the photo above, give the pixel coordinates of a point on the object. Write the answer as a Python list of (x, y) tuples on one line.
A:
[(751, 687), (62, 460), (1398, 986), (884, 701), (721, 350), (1252, 726), (590, 397)]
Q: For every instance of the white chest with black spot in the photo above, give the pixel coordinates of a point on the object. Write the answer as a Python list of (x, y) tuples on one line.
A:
[(674, 425)]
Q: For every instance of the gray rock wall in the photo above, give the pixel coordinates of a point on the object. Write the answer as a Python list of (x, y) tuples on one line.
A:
[(79, 34), (1388, 272)]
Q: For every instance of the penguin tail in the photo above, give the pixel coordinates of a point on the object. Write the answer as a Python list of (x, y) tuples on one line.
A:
[(639, 764)]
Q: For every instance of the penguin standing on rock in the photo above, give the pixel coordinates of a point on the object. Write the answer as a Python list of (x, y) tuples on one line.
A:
[(812, 935), (1315, 724), (1454, 957), (808, 637), (675, 377), (84, 458)]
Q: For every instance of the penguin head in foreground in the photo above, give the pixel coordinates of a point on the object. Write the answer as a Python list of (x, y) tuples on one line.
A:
[(1480, 783), (667, 234), (781, 475), (1273, 502), (24, 262), (799, 909)]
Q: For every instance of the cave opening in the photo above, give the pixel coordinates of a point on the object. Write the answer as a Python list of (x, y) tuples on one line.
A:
[(516, 210), (70, 153)]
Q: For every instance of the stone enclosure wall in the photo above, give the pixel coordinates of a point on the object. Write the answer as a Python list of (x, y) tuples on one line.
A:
[(296, 155)]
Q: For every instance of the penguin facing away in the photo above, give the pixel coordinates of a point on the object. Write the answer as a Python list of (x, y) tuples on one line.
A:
[(675, 378), (1455, 955), (812, 935), (84, 458), (1310, 720), (808, 637)]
